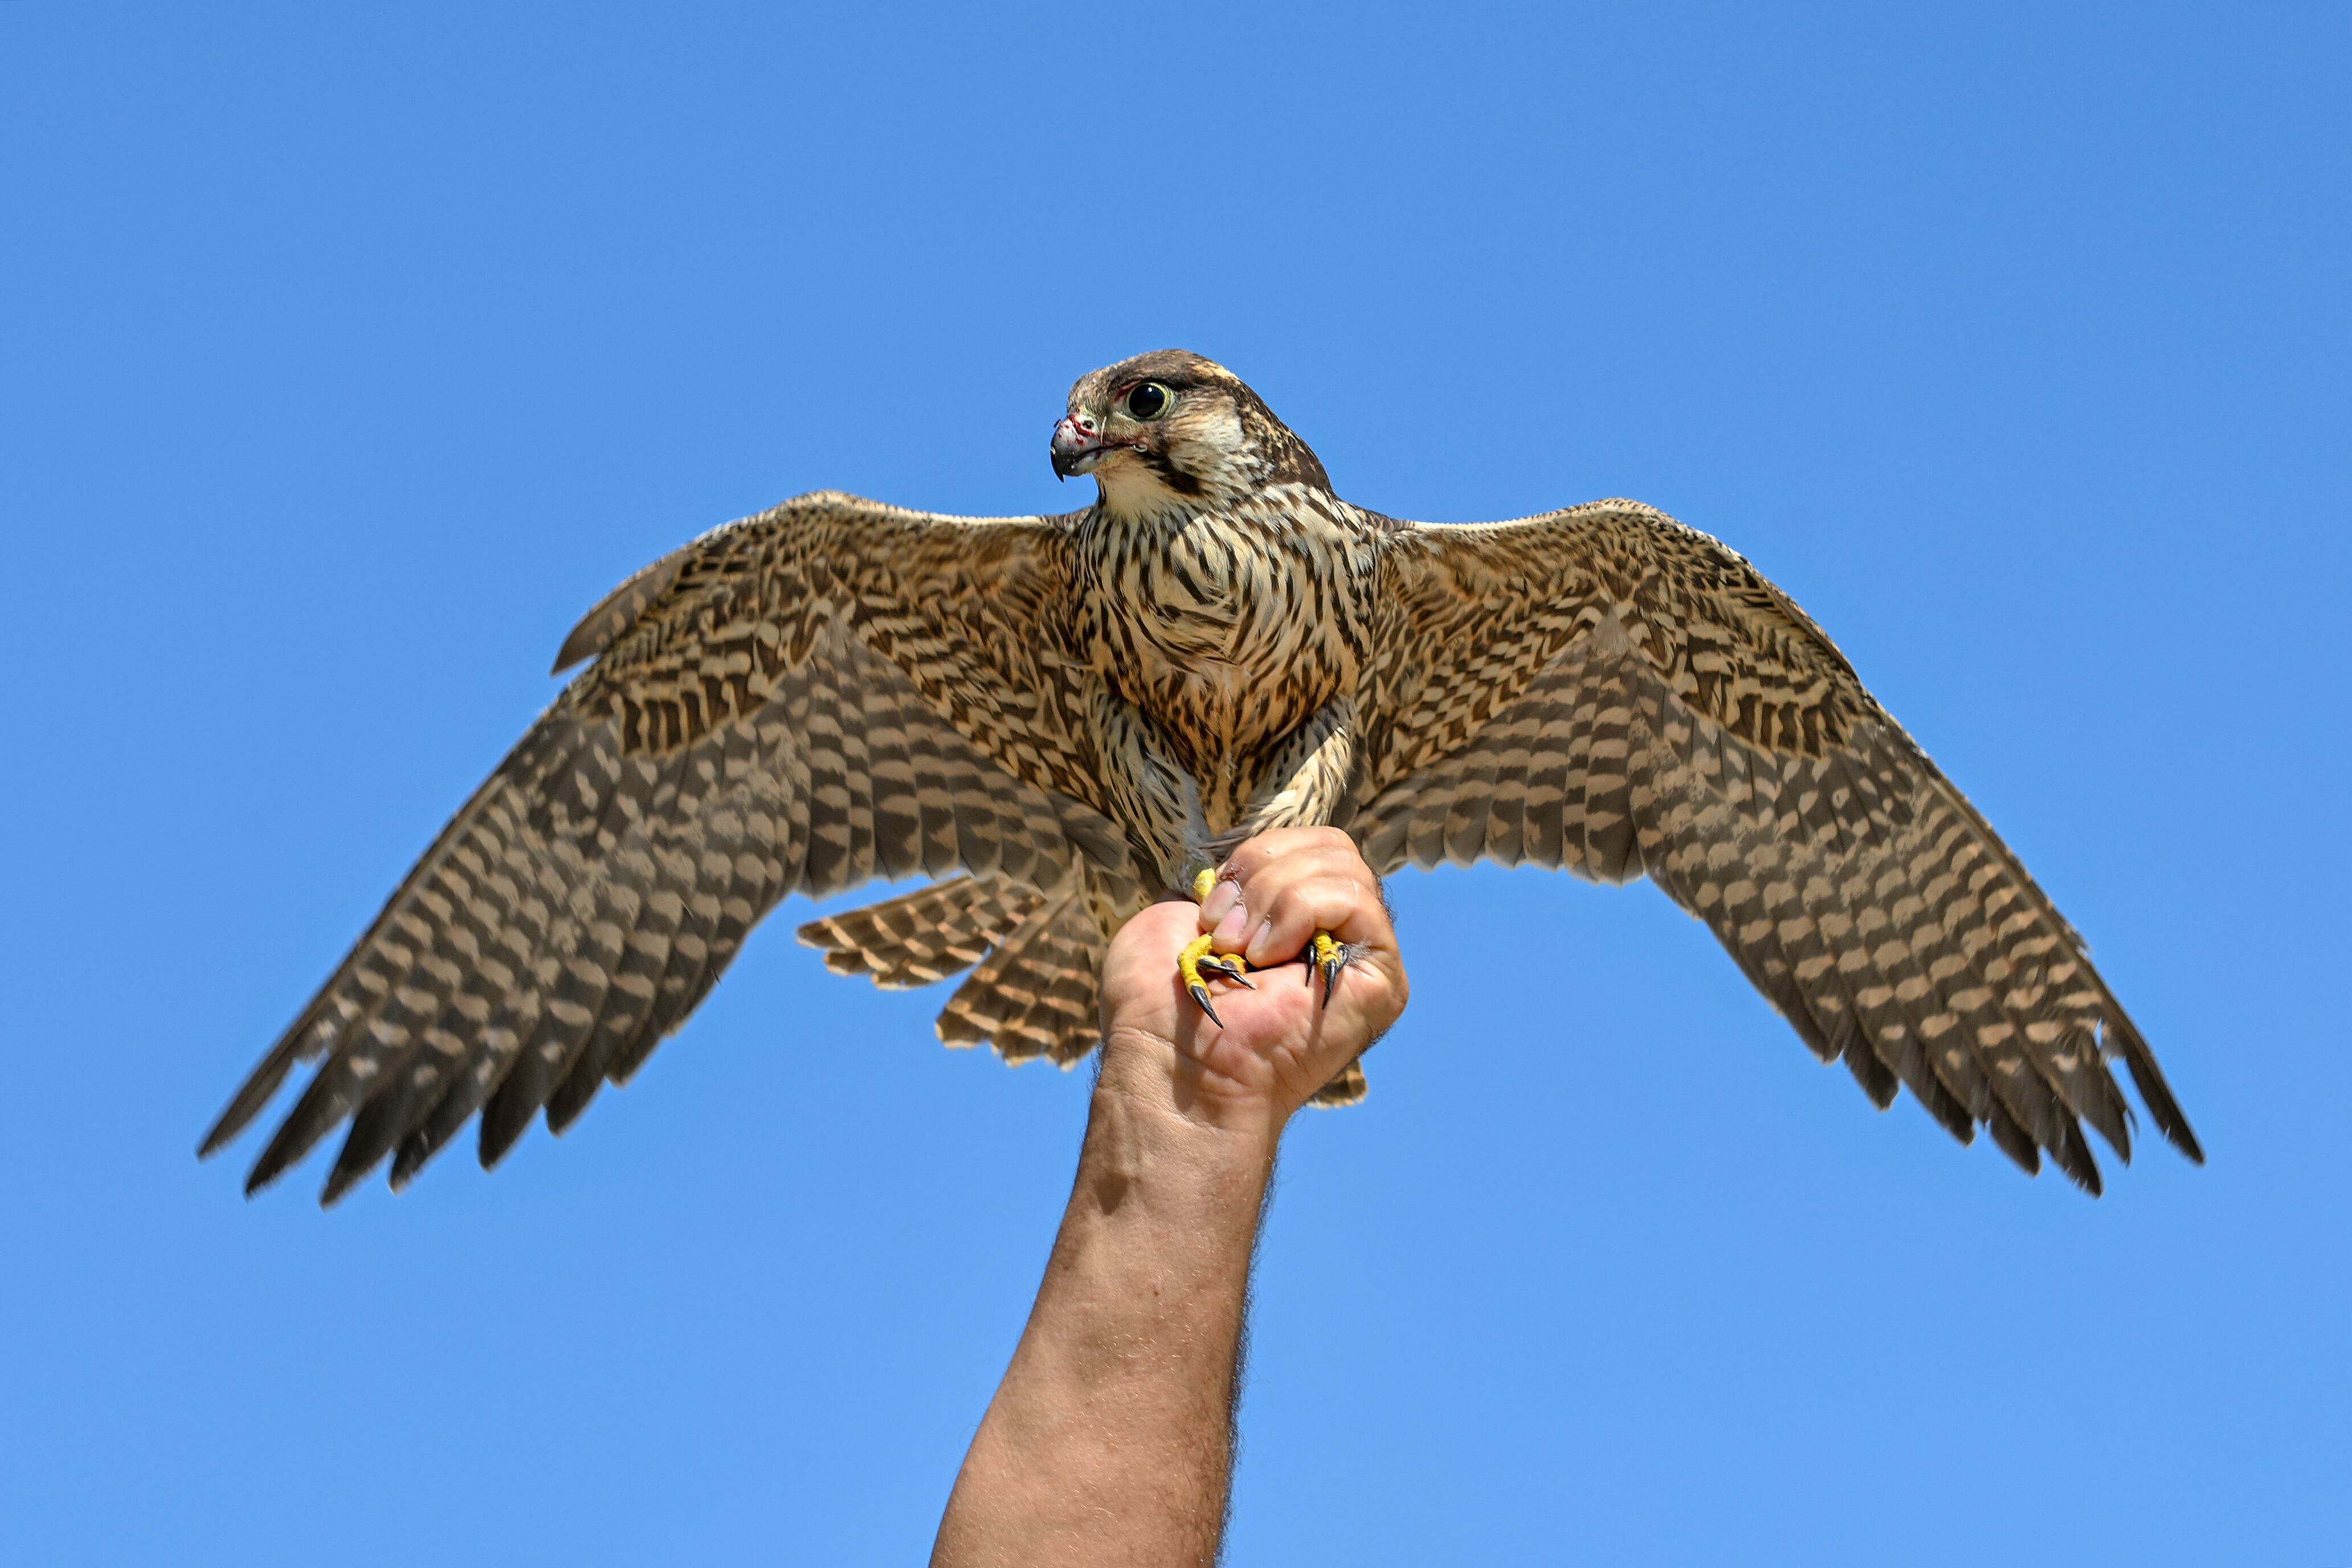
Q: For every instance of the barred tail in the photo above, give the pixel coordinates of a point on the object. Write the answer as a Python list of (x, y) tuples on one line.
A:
[(1038, 993), (925, 935), (1034, 995), (1036, 990)]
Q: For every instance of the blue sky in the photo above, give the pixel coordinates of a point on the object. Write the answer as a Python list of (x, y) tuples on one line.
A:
[(348, 353)]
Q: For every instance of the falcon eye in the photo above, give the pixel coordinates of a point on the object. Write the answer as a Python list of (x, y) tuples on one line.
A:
[(1149, 401)]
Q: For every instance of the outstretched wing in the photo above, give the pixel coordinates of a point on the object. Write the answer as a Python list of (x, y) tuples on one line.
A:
[(1605, 692), (796, 702)]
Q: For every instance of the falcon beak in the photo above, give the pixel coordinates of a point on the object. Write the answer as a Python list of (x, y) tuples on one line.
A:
[(1078, 446)]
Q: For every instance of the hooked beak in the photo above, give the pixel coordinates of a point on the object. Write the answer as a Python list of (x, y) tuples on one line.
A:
[(1078, 446)]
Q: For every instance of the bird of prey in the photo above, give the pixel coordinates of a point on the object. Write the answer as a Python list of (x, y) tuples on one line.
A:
[(1058, 720)]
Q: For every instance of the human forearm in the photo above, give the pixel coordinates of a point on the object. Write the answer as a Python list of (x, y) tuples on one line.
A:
[(1111, 1437)]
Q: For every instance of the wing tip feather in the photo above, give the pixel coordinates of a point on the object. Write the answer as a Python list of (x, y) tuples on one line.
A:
[(2123, 1039)]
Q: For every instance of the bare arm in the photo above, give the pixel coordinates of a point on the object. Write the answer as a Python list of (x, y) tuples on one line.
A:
[(1110, 1439)]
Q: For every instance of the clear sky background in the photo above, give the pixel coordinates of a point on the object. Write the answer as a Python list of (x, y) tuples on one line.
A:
[(348, 353)]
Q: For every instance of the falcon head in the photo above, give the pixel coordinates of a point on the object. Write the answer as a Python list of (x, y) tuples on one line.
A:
[(1169, 429)]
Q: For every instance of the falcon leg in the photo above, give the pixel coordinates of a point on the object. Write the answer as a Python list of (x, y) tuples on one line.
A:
[(1196, 961)]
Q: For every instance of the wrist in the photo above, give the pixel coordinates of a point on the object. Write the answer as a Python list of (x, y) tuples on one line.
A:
[(1149, 1080)]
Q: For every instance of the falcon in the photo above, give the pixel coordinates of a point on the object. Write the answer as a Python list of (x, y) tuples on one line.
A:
[(1058, 720)]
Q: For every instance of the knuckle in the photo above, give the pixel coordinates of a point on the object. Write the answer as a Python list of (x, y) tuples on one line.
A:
[(1305, 904), (1337, 890)]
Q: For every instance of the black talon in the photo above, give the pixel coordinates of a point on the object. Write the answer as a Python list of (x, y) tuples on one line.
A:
[(1201, 1000), (1331, 967), (1219, 963)]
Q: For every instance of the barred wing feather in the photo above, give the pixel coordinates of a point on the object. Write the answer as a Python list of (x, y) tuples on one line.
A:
[(798, 702), (1607, 692)]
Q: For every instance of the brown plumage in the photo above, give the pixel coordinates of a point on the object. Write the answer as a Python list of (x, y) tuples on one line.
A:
[(1058, 718)]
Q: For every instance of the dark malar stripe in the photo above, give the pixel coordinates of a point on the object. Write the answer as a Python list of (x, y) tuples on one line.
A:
[(1175, 478)]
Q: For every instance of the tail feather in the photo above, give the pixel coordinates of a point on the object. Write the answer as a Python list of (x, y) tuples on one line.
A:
[(1037, 995), (926, 935), (1346, 1088), (1036, 989)]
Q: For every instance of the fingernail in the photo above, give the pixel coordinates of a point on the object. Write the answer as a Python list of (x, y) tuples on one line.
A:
[(1222, 897), (1257, 942), (1236, 921)]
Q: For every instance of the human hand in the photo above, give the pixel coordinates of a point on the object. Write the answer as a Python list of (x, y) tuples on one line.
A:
[(1281, 1041)]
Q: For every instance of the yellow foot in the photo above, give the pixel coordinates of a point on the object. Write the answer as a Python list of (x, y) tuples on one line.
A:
[(1196, 960), (1328, 956)]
